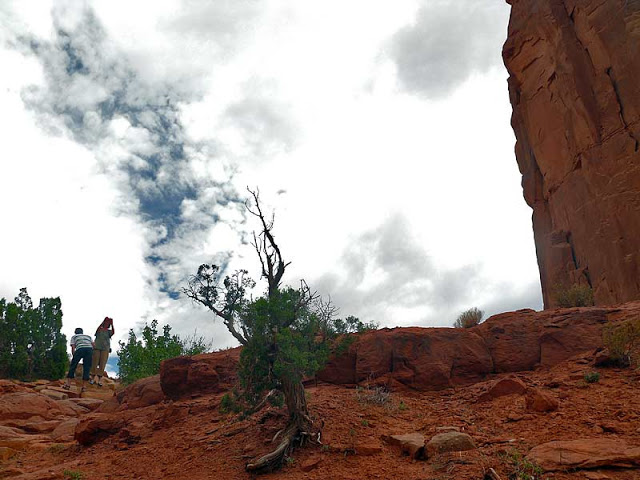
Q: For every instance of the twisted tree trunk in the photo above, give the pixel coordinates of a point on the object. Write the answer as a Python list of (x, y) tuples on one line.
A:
[(299, 429)]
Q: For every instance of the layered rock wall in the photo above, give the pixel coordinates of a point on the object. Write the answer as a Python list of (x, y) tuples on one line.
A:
[(427, 358), (574, 85)]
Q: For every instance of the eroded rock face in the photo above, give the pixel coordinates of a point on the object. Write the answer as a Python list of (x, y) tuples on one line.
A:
[(206, 373), (429, 358), (573, 68)]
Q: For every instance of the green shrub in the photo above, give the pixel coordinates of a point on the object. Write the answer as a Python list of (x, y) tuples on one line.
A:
[(31, 344), (229, 404), (73, 475), (574, 296), (623, 342), (469, 318), (140, 357), (521, 468), (592, 377)]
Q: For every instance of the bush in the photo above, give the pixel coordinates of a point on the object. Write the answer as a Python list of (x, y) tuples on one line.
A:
[(31, 344), (574, 296), (373, 395), (141, 358), (592, 377), (229, 404), (469, 318), (623, 342)]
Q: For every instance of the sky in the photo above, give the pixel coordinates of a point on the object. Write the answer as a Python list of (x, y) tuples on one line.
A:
[(378, 132)]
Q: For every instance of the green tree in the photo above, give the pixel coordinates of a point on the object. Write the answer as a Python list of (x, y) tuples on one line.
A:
[(31, 344), (140, 358), (285, 333)]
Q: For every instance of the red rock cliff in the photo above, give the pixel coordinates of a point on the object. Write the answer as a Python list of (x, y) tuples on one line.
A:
[(574, 85)]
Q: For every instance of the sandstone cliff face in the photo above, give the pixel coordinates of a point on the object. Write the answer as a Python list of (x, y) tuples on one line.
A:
[(424, 359), (574, 85)]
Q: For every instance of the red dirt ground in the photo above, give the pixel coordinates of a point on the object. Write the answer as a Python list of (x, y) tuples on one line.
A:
[(190, 439)]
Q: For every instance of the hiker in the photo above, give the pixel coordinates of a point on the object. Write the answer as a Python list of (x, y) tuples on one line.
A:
[(102, 348), (82, 349)]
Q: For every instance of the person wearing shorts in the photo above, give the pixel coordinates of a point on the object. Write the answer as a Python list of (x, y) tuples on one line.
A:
[(102, 347)]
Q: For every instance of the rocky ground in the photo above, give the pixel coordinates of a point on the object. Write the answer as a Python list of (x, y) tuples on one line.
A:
[(571, 420)]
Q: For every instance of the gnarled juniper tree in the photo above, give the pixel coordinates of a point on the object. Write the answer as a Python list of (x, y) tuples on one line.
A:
[(282, 334)]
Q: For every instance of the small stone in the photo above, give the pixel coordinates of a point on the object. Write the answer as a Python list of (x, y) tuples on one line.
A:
[(596, 476), (539, 401), (506, 386), (368, 449), (514, 417), (411, 444), (449, 442), (311, 464), (447, 429)]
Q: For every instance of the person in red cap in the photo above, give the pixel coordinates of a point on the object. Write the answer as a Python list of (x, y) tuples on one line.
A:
[(101, 350)]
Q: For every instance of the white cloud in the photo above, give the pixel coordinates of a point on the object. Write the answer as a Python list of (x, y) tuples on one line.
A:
[(137, 130)]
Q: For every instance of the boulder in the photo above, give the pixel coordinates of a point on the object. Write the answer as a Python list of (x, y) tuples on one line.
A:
[(10, 386), (96, 427), (411, 444), (573, 87), (539, 401), (41, 427), (449, 442), (24, 405), (17, 440), (206, 373), (144, 392), (88, 403), (584, 453), (503, 387), (54, 394), (65, 431)]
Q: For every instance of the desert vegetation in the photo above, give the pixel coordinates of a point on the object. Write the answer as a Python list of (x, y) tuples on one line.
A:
[(31, 344), (623, 342), (576, 295), (469, 318), (140, 357), (286, 333)]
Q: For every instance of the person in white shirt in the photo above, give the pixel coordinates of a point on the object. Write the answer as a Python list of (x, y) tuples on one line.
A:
[(82, 349)]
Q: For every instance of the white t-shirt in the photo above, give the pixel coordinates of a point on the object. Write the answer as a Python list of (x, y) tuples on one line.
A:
[(81, 341)]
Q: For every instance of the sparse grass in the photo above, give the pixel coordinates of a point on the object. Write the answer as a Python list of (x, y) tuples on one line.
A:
[(73, 475), (57, 448), (592, 377), (289, 460), (521, 468), (403, 406), (364, 423), (325, 448), (373, 395)]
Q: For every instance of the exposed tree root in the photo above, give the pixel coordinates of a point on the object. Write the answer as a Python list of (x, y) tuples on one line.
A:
[(274, 460)]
